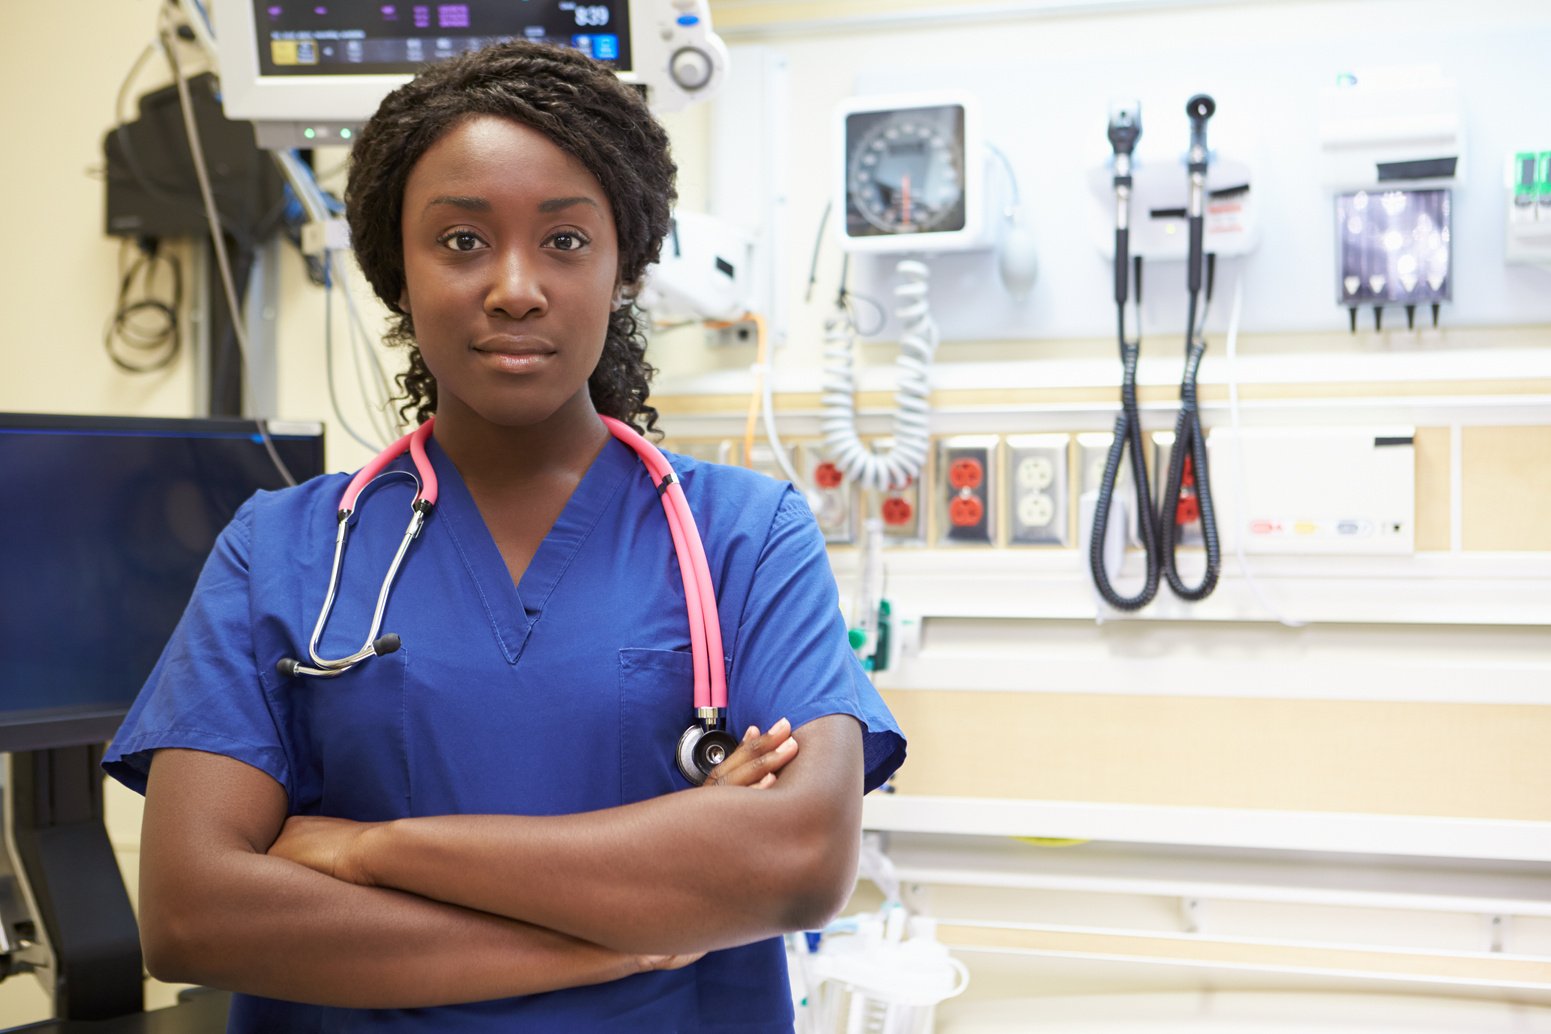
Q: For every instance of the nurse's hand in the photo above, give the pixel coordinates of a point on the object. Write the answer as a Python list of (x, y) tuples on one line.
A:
[(653, 962), (758, 758), (325, 844)]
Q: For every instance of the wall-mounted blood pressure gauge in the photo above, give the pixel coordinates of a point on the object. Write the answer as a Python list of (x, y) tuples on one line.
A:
[(912, 173)]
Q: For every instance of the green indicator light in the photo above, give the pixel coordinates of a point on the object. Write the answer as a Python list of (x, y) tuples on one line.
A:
[(344, 134), (309, 133), (1346, 79)]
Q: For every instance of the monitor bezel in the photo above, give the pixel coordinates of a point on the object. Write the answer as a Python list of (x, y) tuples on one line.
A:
[(336, 98)]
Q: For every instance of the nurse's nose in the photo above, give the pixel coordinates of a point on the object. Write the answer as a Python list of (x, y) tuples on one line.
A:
[(516, 289)]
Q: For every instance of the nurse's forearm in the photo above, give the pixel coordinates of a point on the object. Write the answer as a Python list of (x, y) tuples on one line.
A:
[(282, 931), (216, 910), (691, 871)]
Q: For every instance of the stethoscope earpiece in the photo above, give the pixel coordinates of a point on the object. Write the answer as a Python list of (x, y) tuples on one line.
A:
[(701, 750)]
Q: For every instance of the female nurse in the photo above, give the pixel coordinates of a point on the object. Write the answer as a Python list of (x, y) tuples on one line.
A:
[(486, 830)]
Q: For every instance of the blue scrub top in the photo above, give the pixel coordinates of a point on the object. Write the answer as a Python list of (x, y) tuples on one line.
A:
[(566, 692)]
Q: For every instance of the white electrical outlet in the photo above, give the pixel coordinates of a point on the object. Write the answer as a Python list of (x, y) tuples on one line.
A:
[(1039, 513), (1092, 453)]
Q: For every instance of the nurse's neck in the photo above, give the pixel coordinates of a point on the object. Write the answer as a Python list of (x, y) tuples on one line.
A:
[(498, 456)]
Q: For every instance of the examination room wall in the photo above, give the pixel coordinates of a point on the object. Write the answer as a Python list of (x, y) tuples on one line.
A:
[(1420, 689), (1316, 708)]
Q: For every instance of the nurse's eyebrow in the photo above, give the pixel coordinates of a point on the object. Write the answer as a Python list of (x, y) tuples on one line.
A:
[(559, 203), (468, 204)]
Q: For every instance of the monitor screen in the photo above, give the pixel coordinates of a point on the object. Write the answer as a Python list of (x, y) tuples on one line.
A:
[(109, 523), (351, 37), (310, 73)]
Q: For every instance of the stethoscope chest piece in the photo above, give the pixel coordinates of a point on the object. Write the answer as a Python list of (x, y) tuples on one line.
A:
[(701, 750)]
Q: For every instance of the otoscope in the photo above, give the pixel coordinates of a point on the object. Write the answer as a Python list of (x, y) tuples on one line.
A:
[(1187, 461), (1125, 126)]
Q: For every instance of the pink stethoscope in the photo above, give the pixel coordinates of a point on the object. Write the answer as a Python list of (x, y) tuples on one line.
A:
[(706, 743)]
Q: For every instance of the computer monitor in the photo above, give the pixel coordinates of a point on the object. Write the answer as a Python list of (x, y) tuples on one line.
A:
[(108, 523), (309, 72)]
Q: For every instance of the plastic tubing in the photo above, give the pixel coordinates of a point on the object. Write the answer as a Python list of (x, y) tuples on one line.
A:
[(897, 466)]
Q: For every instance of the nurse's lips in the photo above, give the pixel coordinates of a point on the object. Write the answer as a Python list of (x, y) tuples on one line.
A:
[(515, 354)]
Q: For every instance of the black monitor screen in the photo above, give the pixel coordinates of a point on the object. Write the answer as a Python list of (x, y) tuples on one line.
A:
[(106, 527), (352, 37)]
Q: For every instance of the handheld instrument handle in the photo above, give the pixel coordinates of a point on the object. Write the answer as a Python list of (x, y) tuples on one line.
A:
[(1198, 108), (1125, 128)]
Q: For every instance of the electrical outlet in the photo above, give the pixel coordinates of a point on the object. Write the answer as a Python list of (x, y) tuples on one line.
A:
[(901, 511), (966, 490), (1188, 509), (1038, 512), (1092, 453), (832, 496)]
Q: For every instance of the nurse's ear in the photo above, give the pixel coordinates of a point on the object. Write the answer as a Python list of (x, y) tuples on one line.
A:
[(623, 294)]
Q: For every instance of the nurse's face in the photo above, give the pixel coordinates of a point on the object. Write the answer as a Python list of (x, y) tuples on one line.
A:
[(510, 267)]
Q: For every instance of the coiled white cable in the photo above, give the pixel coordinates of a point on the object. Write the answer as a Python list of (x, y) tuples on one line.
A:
[(902, 461)]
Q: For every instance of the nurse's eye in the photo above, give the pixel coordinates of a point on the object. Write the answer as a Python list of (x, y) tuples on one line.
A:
[(460, 240), (567, 240)]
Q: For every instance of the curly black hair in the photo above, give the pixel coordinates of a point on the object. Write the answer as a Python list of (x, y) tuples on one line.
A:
[(586, 111)]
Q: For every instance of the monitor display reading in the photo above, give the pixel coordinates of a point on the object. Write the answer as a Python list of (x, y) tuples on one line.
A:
[(349, 37), (109, 524)]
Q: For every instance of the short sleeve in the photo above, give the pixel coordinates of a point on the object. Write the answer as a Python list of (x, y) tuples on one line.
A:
[(205, 692), (792, 657)]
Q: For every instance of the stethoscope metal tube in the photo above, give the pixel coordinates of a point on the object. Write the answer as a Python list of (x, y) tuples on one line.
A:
[(425, 499), (706, 743)]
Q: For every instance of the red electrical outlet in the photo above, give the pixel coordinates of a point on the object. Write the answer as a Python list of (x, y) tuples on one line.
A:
[(967, 489), (897, 511), (827, 475), (967, 472), (966, 511)]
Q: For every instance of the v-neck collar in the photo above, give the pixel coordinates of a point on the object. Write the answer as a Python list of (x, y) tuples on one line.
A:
[(514, 609)]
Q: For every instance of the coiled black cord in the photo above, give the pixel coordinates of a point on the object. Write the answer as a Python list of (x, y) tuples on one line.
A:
[(143, 335), (1178, 509), (1189, 443), (1128, 434)]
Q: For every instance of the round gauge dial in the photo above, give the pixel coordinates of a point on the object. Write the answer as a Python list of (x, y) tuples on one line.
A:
[(905, 171)]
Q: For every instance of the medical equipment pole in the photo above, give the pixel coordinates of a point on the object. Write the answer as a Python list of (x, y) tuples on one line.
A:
[(1187, 460), (1125, 126)]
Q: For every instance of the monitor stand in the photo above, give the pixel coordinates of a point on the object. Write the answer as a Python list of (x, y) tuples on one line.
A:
[(53, 816)]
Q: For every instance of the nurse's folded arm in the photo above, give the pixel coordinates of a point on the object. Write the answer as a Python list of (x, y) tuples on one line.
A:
[(686, 872), (216, 910)]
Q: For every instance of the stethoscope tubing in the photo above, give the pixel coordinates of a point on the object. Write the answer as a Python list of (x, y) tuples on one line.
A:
[(705, 633), (706, 648)]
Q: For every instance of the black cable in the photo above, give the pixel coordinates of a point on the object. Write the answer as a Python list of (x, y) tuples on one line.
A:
[(1181, 487), (161, 340), (1124, 129)]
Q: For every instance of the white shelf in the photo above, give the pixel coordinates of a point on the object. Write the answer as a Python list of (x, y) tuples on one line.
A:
[(1441, 885), (1213, 827)]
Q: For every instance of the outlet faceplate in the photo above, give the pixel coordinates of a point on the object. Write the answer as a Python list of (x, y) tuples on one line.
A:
[(902, 511), (1092, 451), (1038, 511), (1163, 452), (831, 494), (966, 490)]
